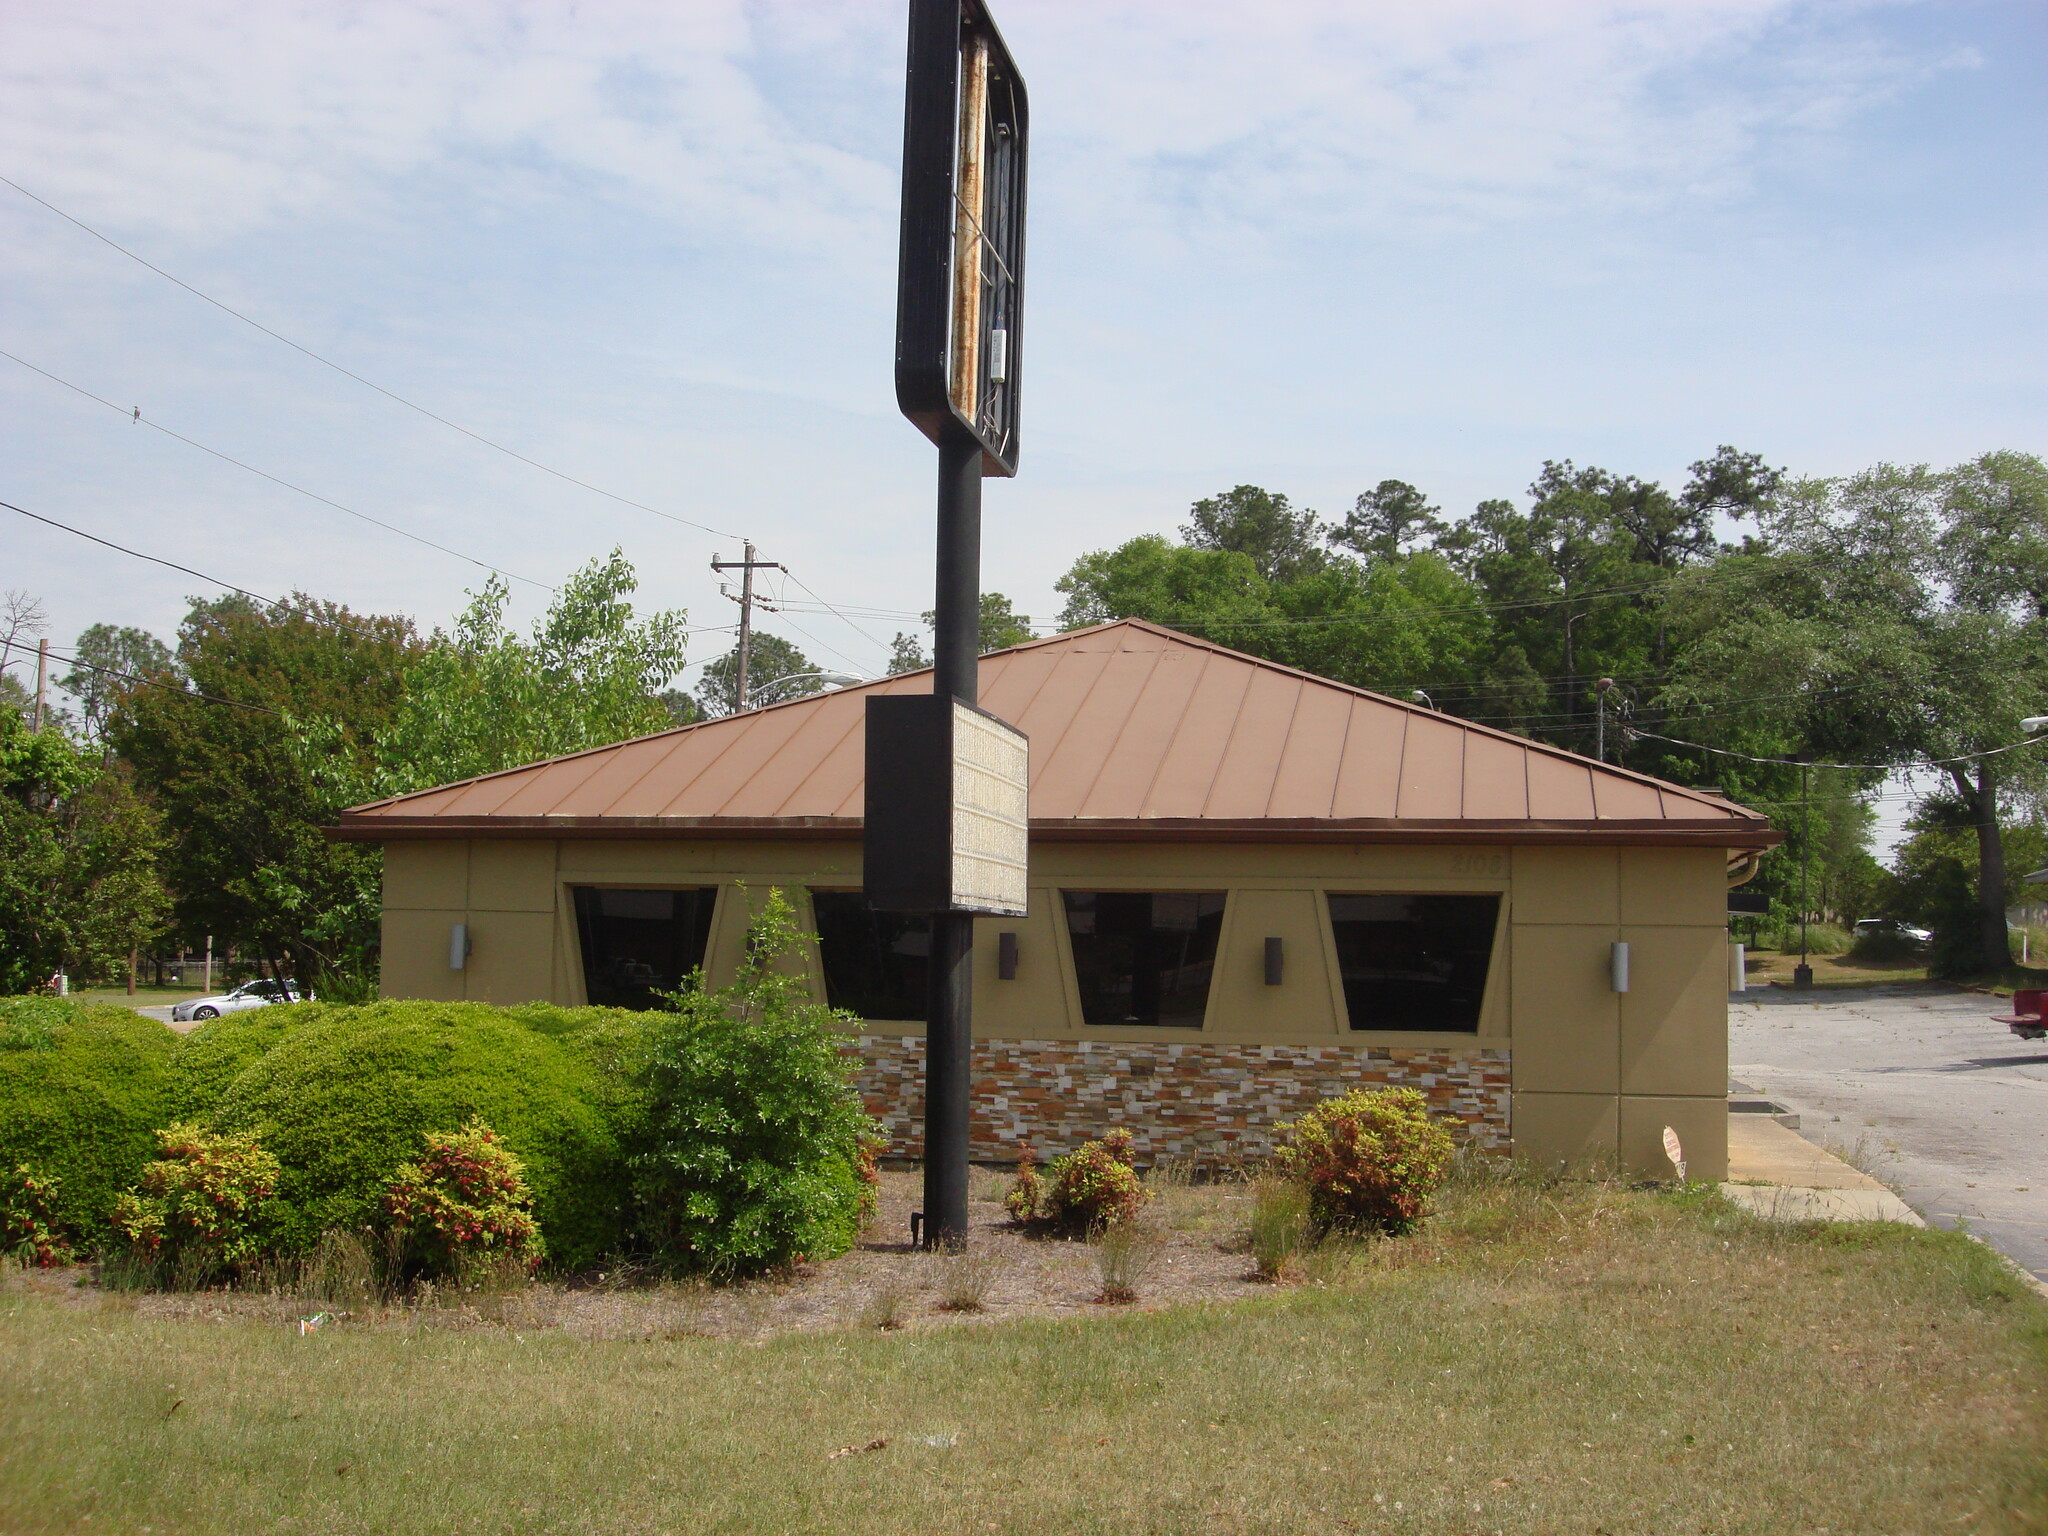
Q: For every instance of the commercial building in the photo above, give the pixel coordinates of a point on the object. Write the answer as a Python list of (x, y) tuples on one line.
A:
[(1250, 888)]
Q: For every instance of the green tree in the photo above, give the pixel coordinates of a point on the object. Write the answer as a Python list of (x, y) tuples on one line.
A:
[(1388, 521), (105, 662), (79, 882), (1283, 544), (1885, 618), (776, 670), (1001, 627), (218, 743), (482, 698), (470, 702)]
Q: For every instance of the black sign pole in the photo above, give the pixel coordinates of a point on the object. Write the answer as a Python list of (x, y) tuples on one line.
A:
[(949, 1014), (958, 337)]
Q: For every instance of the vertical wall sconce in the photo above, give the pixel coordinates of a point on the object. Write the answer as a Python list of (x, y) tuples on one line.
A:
[(458, 947), (1006, 957), (1276, 961), (1617, 964)]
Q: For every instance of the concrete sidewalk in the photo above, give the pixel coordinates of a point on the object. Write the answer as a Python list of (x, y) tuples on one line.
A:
[(1779, 1175)]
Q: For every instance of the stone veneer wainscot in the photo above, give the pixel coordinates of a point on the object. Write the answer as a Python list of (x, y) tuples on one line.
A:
[(1209, 1102)]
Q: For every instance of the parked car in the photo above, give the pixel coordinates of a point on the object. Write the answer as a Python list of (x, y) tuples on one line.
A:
[(251, 994), (1893, 925)]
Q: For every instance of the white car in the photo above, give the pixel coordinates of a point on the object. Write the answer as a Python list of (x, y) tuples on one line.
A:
[(251, 994), (1887, 925)]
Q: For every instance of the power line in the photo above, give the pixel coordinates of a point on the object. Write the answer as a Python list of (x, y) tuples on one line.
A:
[(1787, 762), (308, 614), (272, 602), (135, 414), (391, 395), (157, 682)]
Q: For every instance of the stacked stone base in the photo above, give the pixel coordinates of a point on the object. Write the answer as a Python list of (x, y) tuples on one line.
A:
[(1213, 1103)]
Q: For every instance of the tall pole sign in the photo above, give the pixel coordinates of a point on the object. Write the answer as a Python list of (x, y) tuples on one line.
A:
[(945, 808)]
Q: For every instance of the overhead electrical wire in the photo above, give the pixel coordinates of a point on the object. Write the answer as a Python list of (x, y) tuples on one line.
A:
[(274, 602), (388, 394), (135, 414), (1791, 762), (157, 682), (271, 602)]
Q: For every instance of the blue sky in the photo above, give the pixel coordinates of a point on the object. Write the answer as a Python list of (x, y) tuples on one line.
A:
[(1303, 245)]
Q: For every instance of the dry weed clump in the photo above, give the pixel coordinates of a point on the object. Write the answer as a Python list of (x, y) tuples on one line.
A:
[(1279, 1225), (1124, 1256), (965, 1278)]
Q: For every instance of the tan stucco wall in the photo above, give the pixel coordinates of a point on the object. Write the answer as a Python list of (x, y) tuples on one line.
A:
[(1599, 1073), (1592, 1069)]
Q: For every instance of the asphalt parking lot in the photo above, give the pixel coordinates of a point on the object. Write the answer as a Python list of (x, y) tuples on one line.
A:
[(1922, 1089)]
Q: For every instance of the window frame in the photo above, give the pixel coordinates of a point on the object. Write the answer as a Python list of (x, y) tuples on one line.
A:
[(577, 967), (816, 949), (1491, 1026), (1071, 966)]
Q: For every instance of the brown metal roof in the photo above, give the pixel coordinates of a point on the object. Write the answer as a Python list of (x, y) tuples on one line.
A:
[(1135, 731)]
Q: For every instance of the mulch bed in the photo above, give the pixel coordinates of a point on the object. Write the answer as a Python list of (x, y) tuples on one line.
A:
[(882, 1283)]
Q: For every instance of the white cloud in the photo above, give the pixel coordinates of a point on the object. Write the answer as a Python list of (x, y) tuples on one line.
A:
[(209, 119)]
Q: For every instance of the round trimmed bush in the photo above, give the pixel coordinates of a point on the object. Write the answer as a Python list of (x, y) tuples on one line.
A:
[(346, 1093), (83, 1091), (1370, 1159)]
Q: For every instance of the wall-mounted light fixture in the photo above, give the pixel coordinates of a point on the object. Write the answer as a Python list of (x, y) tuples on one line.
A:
[(1276, 961), (1617, 965), (458, 947), (1006, 956)]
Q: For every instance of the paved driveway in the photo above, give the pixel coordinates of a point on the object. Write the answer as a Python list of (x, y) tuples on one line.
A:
[(1949, 1107)]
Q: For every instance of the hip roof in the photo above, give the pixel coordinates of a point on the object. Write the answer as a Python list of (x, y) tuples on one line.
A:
[(1136, 732)]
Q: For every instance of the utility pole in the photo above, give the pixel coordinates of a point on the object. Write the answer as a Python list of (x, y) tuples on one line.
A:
[(1600, 717), (746, 568), (1802, 973), (42, 676)]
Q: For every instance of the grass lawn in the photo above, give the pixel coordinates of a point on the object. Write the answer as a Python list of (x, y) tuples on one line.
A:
[(1766, 966), (1571, 1358)]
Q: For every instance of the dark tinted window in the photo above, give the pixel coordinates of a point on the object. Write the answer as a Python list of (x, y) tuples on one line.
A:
[(636, 943), (1414, 962), (875, 962), (1144, 957)]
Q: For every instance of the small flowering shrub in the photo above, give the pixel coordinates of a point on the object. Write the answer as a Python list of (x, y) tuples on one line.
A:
[(28, 1225), (1093, 1186), (1025, 1194), (463, 1209), (1370, 1160), (201, 1207), (869, 1172)]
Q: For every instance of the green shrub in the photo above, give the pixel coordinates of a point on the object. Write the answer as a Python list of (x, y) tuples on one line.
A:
[(463, 1208), (219, 1050), (1886, 944), (1821, 938), (343, 1094), (200, 1211), (749, 1154), (1370, 1160), (1096, 1185), (82, 1092)]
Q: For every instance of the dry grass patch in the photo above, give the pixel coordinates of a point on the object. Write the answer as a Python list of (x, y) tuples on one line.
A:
[(1539, 1358)]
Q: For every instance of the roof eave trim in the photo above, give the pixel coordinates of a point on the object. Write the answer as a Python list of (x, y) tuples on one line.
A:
[(1719, 832)]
